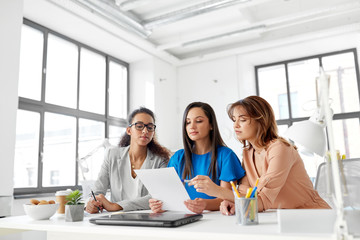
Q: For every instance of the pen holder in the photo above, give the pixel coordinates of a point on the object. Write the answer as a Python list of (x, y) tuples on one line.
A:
[(246, 211)]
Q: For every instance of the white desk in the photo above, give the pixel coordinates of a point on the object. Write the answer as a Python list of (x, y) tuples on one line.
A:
[(212, 226)]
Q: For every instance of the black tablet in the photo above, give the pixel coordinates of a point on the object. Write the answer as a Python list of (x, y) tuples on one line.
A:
[(167, 219)]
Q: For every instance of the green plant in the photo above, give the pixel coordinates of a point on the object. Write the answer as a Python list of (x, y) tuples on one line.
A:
[(74, 198)]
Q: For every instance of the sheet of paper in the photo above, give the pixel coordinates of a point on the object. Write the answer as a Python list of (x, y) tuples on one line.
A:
[(164, 184)]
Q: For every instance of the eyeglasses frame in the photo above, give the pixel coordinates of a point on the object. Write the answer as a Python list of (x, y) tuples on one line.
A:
[(145, 125)]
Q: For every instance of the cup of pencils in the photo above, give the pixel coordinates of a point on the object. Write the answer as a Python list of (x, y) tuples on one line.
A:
[(246, 211), (246, 208)]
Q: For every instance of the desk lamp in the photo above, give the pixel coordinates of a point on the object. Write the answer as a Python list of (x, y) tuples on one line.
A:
[(310, 134), (87, 185), (82, 161)]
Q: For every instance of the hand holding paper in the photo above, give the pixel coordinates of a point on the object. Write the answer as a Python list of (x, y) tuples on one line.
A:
[(164, 184)]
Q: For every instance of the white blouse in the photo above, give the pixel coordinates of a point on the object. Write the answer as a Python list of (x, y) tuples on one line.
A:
[(131, 186)]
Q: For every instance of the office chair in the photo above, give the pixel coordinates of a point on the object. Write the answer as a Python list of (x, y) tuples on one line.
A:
[(350, 179)]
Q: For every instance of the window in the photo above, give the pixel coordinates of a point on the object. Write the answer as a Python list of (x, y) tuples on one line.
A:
[(31, 63), (118, 80), (59, 151), (27, 145), (90, 134), (65, 109), (290, 89), (92, 82), (61, 72)]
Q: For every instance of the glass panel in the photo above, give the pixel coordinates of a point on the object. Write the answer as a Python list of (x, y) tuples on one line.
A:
[(272, 86), (61, 73), (92, 82), (26, 149), (311, 160), (115, 133), (311, 163), (302, 85), (346, 134), (282, 129), (31, 57), (59, 156), (117, 90), (91, 137), (344, 89)]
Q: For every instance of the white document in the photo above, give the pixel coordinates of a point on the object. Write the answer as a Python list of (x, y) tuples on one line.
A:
[(164, 184)]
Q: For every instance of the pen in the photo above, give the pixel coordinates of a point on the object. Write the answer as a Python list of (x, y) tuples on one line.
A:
[(248, 193), (257, 182), (246, 206), (185, 180), (252, 206), (234, 188), (95, 199), (254, 190)]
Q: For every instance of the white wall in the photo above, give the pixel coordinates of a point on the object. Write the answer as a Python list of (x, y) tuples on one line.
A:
[(153, 85), (216, 83), (236, 76), (141, 84), (166, 107), (10, 27)]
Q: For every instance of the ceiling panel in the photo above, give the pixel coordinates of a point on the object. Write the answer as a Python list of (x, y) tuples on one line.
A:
[(179, 30)]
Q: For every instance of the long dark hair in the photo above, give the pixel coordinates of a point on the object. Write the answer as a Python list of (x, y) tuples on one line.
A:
[(153, 145), (215, 139), (260, 111)]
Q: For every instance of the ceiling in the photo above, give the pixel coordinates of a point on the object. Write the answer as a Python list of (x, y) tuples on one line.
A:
[(181, 30)]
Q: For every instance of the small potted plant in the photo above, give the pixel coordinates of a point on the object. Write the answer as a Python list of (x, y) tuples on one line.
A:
[(74, 208)]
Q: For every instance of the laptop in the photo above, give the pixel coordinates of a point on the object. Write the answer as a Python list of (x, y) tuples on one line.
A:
[(167, 219)]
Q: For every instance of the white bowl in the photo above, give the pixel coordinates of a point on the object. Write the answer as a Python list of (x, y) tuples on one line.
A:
[(41, 212)]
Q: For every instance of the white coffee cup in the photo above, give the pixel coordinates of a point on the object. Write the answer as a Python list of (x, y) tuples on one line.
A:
[(61, 199)]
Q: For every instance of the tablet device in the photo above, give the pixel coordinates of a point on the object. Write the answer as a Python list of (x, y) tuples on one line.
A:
[(166, 219)]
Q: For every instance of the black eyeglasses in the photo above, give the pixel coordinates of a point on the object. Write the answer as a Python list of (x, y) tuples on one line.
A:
[(140, 126)]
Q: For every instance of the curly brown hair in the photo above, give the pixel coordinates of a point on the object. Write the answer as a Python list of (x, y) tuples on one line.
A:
[(153, 145)]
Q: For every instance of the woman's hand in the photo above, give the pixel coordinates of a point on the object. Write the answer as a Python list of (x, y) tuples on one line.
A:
[(92, 206), (102, 203), (227, 208), (205, 185), (197, 206), (106, 204), (155, 205)]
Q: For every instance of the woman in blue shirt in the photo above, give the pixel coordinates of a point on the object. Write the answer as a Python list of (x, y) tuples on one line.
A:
[(204, 153)]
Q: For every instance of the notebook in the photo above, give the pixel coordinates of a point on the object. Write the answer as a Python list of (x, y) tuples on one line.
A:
[(167, 219)]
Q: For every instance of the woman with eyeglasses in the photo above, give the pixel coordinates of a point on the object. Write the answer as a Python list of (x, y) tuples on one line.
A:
[(204, 154), (138, 149)]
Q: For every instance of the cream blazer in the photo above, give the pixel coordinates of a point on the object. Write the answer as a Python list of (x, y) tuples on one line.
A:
[(111, 177)]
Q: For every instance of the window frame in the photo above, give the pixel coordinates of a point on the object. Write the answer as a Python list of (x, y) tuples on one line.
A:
[(41, 107), (338, 116)]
